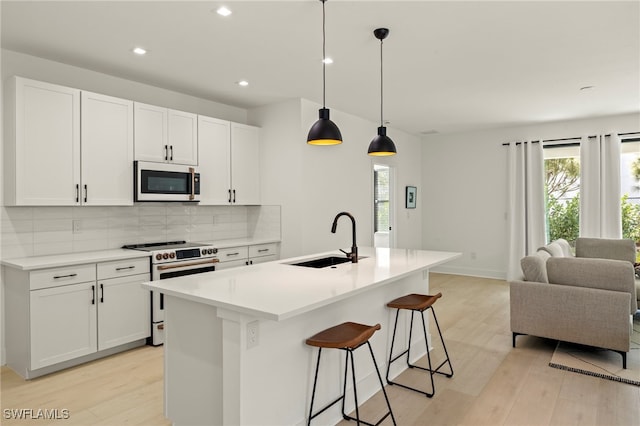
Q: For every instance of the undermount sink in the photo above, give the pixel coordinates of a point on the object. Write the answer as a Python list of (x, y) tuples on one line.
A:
[(323, 262)]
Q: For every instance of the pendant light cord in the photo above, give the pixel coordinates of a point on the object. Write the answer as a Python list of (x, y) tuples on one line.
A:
[(381, 87), (324, 59)]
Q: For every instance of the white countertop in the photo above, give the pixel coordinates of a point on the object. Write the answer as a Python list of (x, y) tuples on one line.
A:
[(79, 258), (68, 259), (278, 291)]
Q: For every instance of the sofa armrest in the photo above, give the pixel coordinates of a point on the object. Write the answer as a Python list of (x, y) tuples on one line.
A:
[(581, 315), (605, 274), (604, 248)]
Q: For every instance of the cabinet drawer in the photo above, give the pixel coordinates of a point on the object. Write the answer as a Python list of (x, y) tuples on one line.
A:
[(123, 268), (233, 253), (55, 277), (263, 250)]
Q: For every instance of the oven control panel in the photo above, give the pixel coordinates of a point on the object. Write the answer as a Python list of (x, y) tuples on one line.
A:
[(184, 254)]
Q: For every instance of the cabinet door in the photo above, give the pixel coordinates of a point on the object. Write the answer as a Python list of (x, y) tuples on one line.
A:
[(123, 311), (150, 133), (245, 164), (47, 143), (183, 137), (63, 323), (214, 160), (107, 150), (262, 259)]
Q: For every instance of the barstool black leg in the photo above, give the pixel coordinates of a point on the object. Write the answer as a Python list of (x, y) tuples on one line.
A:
[(447, 360), (313, 393), (431, 370), (384, 392)]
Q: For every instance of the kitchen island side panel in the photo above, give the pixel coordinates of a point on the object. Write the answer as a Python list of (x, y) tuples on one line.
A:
[(212, 377)]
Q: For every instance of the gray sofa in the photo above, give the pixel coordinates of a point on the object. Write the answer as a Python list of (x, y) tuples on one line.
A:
[(581, 299)]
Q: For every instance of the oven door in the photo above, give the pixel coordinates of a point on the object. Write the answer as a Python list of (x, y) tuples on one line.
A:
[(172, 270), (166, 182)]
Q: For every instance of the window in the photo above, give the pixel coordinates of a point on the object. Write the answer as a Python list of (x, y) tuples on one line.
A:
[(381, 198), (562, 190), (630, 189)]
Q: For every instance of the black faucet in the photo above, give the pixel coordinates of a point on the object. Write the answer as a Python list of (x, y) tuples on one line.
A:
[(354, 249)]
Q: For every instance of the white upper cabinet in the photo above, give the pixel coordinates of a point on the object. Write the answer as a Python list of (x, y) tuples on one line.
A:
[(229, 162), (107, 150), (214, 138), (183, 137), (42, 153), (245, 164), (165, 135), (67, 147), (150, 133)]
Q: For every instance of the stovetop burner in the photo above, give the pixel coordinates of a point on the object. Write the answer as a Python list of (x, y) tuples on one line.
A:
[(168, 245)]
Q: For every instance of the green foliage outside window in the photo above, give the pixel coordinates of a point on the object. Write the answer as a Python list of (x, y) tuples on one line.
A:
[(562, 177)]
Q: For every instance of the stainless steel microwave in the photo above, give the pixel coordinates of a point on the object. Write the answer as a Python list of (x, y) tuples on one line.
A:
[(165, 182)]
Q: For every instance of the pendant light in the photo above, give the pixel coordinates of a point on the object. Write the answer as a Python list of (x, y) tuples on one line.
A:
[(381, 145), (324, 131)]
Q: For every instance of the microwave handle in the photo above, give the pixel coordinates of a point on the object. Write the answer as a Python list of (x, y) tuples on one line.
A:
[(192, 171)]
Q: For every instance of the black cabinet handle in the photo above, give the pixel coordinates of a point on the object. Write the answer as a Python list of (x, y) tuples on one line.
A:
[(166, 152), (171, 148), (234, 195), (262, 250), (64, 276), (77, 193), (125, 268), (232, 254), (93, 294), (229, 195), (101, 293), (85, 193)]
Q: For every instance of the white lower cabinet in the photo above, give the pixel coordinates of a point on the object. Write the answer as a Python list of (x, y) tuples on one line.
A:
[(59, 315), (232, 257), (63, 323), (123, 311)]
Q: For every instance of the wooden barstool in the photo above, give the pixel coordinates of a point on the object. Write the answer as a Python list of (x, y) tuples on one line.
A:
[(418, 303), (348, 337)]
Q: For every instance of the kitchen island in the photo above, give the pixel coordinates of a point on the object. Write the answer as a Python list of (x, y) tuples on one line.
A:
[(235, 351)]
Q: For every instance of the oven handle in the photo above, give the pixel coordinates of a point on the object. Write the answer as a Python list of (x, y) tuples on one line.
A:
[(182, 265), (192, 171)]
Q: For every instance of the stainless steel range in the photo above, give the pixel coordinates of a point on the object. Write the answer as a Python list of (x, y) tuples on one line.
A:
[(173, 259)]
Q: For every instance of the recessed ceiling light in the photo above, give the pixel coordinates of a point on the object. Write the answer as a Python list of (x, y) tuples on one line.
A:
[(223, 11), (139, 51), (327, 60), (243, 83)]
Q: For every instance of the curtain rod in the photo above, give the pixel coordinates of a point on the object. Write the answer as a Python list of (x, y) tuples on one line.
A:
[(579, 139)]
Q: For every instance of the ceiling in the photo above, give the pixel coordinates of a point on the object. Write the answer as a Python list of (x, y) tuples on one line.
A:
[(448, 66)]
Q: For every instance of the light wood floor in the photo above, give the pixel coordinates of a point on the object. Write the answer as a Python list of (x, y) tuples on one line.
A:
[(493, 384)]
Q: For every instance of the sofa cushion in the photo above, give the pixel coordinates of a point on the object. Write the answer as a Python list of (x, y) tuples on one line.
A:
[(605, 274), (603, 248), (534, 267)]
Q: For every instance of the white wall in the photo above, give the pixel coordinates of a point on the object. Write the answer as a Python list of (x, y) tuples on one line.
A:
[(314, 183), (464, 181)]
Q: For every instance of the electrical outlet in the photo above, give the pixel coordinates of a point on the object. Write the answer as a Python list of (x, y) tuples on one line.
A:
[(253, 334), (77, 228)]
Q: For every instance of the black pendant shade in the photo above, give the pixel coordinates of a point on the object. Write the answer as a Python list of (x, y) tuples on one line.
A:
[(381, 145), (324, 131)]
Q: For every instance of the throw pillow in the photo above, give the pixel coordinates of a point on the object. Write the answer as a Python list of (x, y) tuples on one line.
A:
[(534, 268)]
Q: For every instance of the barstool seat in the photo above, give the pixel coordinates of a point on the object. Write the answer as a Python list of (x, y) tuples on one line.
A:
[(417, 303), (347, 336)]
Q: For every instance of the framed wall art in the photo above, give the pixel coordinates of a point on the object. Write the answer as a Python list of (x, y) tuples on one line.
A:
[(411, 194)]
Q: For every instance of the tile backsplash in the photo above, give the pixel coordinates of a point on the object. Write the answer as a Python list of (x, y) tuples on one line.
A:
[(35, 231)]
